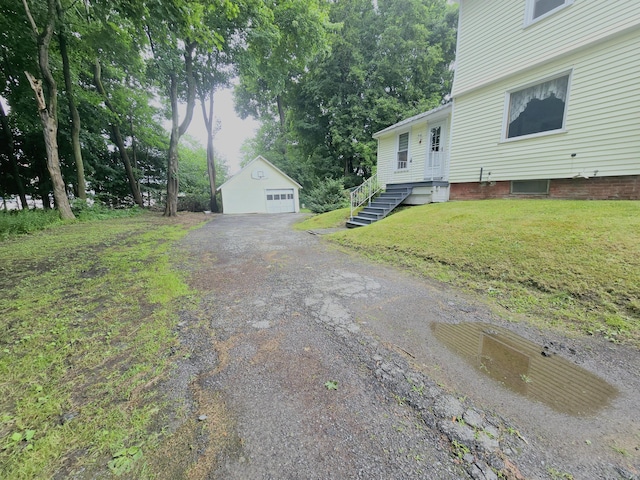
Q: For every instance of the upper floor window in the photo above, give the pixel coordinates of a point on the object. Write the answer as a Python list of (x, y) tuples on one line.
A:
[(538, 108), (537, 9), (403, 150)]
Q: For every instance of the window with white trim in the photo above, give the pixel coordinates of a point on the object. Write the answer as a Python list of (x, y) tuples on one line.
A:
[(537, 9), (403, 150), (538, 108)]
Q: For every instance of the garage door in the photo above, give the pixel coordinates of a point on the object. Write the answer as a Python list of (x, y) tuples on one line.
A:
[(280, 201)]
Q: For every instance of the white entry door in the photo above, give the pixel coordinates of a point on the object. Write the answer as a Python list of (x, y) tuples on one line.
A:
[(436, 153), (281, 201)]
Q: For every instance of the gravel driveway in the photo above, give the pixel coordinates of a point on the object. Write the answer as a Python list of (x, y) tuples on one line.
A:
[(308, 362)]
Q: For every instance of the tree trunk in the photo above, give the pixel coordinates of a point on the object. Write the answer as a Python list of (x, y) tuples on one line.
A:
[(173, 184), (48, 115), (117, 137), (171, 207), (12, 158), (211, 165), (280, 112), (75, 116), (50, 129), (124, 156)]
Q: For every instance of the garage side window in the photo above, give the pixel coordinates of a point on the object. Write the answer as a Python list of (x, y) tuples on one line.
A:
[(537, 109), (403, 150)]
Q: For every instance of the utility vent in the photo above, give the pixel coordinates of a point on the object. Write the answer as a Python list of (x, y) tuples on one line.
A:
[(530, 187), (259, 174)]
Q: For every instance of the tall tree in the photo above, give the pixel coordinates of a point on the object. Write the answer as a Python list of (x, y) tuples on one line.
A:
[(178, 31), (48, 110), (73, 109), (117, 136)]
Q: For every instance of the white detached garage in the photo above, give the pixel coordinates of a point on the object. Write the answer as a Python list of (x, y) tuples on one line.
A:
[(260, 187)]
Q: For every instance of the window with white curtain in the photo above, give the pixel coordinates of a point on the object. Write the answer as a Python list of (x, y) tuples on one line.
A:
[(537, 9), (538, 108), (403, 150)]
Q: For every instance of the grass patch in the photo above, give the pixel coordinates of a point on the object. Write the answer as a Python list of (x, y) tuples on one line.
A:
[(333, 219), (21, 222), (88, 314), (573, 265)]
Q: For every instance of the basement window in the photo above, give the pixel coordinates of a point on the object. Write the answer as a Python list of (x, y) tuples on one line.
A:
[(403, 150), (536, 109), (530, 187)]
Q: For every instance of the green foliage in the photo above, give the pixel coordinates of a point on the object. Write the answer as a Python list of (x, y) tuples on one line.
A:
[(331, 385), (193, 167), (564, 264), (192, 202), (20, 222), (389, 60), (285, 36), (329, 195), (26, 221), (123, 460)]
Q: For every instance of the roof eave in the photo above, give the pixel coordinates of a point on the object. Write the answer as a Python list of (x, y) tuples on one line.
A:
[(437, 113)]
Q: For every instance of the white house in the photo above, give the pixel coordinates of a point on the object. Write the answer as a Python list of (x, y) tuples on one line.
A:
[(413, 167), (416, 151), (545, 103), (545, 100), (260, 187)]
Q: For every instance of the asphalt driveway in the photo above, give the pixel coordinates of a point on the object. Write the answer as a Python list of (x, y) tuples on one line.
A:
[(318, 364)]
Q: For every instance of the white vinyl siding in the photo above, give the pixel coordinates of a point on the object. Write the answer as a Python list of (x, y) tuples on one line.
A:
[(602, 121), (418, 129), (387, 156), (493, 42)]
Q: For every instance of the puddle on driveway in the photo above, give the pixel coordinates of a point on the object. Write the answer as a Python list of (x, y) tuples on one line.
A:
[(524, 367)]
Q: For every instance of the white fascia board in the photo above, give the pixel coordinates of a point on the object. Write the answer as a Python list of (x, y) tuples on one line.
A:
[(437, 113)]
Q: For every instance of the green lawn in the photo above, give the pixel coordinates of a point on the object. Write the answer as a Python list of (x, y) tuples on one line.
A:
[(571, 265), (88, 314), (336, 218)]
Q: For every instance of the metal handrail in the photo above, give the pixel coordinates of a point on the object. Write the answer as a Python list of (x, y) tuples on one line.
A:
[(364, 192)]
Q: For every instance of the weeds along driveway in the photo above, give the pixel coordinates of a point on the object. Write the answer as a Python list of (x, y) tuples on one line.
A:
[(309, 362)]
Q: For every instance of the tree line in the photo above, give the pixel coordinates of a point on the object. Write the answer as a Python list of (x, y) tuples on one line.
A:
[(88, 84)]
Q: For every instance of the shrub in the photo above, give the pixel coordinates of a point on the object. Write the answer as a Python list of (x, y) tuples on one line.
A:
[(192, 202), (328, 196), (19, 222)]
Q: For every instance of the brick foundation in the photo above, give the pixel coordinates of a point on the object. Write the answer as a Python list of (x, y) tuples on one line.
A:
[(597, 188)]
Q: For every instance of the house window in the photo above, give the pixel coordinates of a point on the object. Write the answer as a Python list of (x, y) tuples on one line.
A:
[(403, 150), (537, 109), (537, 9), (530, 187)]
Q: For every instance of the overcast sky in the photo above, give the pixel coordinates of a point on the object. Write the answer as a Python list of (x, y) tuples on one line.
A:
[(234, 131)]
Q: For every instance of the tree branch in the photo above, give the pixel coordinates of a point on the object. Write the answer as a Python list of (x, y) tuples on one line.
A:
[(191, 87), (30, 17)]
